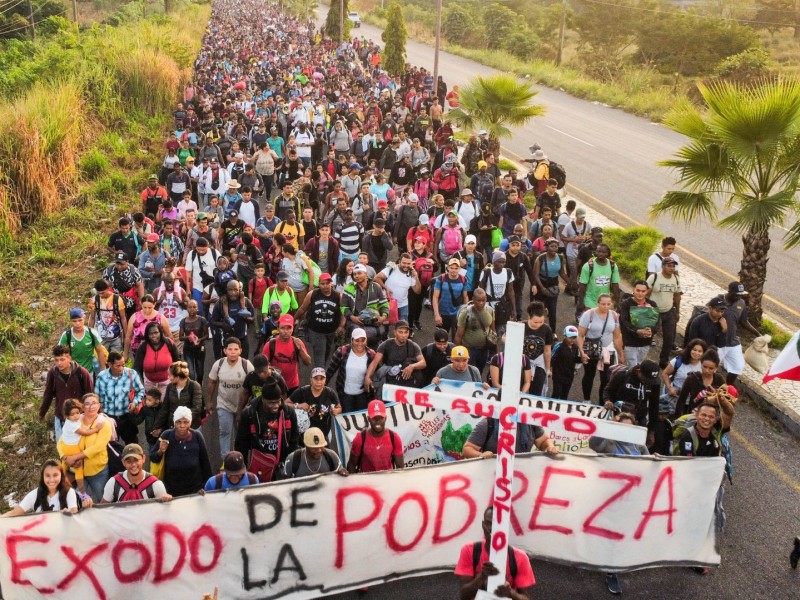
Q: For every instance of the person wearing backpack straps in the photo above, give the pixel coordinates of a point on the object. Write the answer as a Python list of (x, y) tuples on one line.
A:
[(459, 369), (497, 281), (234, 475), (107, 316), (314, 459), (376, 448), (84, 343), (665, 290), (600, 275), (134, 483), (475, 329), (449, 295), (598, 328), (474, 569)]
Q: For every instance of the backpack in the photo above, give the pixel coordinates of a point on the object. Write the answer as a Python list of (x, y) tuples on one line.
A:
[(455, 300), (273, 343), (296, 461), (68, 332), (591, 267), (559, 173), (484, 284), (218, 480), (485, 189), (696, 312), (114, 306), (243, 363), (133, 491), (677, 280), (424, 268), (364, 442), (477, 549), (312, 266), (451, 239)]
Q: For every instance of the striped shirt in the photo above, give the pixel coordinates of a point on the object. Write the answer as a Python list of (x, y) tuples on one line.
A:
[(114, 392), (349, 237)]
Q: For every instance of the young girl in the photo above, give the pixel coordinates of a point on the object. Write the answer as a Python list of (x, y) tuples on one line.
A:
[(71, 434), (147, 414), (53, 493), (215, 212), (344, 274)]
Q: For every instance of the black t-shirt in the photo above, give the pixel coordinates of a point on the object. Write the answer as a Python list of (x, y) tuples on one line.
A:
[(319, 407), (706, 446), (498, 360), (535, 340), (395, 354)]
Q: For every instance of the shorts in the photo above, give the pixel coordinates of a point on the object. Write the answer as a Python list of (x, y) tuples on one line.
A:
[(732, 359)]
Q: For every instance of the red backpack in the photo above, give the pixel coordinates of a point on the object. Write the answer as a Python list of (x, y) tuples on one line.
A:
[(424, 268), (134, 491)]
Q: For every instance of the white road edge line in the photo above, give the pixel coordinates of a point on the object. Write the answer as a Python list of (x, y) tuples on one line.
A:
[(569, 136)]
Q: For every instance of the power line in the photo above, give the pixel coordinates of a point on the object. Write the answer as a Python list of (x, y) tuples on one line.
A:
[(8, 9), (28, 21)]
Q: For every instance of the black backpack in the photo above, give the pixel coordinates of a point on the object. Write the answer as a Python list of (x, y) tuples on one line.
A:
[(559, 173), (328, 459), (477, 548)]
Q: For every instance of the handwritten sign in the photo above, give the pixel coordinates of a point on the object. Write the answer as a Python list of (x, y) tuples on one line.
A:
[(453, 403), (322, 535)]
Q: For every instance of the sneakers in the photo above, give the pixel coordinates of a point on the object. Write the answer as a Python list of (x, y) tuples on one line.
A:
[(612, 582), (794, 557), (700, 570), (427, 304)]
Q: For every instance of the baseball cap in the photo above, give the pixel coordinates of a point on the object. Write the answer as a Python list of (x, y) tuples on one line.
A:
[(76, 313), (482, 163), (470, 239), (498, 255), (120, 257), (269, 207), (314, 438), (467, 191), (317, 371), (482, 132), (358, 334), (717, 302), (668, 260), (282, 276), (581, 212), (376, 408), (238, 155), (152, 177), (233, 213), (234, 463), (382, 204), (359, 269), (597, 230), (132, 450), (420, 239), (412, 197), (649, 371), (440, 335), (401, 324), (201, 216), (356, 167), (734, 287), (513, 238), (424, 219), (571, 331), (452, 211), (325, 277), (286, 320), (454, 261), (153, 238), (459, 352)]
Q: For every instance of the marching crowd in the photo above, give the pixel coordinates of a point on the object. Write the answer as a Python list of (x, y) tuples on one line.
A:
[(309, 209)]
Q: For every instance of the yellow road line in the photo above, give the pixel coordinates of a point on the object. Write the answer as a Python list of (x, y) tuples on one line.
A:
[(683, 250), (765, 460)]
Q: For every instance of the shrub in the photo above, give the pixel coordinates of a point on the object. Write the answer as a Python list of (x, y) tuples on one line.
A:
[(456, 21), (630, 249), (522, 43), (779, 337), (93, 164)]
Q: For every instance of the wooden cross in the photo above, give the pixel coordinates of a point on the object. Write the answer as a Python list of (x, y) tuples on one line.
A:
[(508, 412)]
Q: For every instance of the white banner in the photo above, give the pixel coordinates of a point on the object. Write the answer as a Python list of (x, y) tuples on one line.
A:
[(455, 403), (321, 535)]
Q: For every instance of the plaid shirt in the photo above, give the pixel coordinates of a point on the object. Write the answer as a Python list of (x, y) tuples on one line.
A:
[(114, 392)]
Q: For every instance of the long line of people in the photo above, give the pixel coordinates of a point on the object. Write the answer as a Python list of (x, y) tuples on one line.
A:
[(309, 205)]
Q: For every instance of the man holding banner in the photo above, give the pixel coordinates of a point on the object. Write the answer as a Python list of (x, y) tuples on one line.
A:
[(473, 568), (483, 440)]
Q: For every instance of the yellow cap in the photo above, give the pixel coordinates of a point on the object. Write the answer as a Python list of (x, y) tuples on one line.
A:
[(459, 352)]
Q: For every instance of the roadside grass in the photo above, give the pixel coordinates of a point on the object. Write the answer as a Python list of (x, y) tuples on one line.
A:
[(779, 337), (630, 249)]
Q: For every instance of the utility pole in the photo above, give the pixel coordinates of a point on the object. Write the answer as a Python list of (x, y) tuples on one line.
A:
[(561, 32), (436, 47), (30, 17), (75, 11), (341, 21)]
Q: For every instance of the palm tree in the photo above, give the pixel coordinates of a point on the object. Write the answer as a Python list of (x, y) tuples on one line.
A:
[(743, 156), (495, 104)]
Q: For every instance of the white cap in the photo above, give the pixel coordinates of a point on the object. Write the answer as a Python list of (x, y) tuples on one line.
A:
[(359, 269), (423, 219), (358, 333), (470, 238)]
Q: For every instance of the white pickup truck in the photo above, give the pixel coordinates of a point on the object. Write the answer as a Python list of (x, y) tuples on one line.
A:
[(353, 17)]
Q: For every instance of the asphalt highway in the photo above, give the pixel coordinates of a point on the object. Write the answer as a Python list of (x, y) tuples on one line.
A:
[(611, 161)]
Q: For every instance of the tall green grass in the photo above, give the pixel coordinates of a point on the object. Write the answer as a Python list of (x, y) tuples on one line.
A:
[(630, 249)]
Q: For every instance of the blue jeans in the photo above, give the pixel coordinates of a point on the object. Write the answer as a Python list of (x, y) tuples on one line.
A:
[(402, 312), (95, 484), (225, 430), (197, 296), (343, 255), (57, 428)]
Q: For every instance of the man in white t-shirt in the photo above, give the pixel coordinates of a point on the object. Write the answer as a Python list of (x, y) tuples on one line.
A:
[(655, 260), (576, 232), (397, 281), (225, 381), (200, 264), (304, 140)]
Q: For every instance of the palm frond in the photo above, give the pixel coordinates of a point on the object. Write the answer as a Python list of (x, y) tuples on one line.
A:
[(685, 118), (686, 206), (792, 237), (759, 214), (702, 165)]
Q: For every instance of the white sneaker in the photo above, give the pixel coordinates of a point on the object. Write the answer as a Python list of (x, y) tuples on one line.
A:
[(427, 303)]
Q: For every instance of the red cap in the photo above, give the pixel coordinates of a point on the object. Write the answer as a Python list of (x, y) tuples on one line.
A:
[(383, 204), (733, 391), (325, 277), (376, 408), (286, 320), (419, 238), (153, 238)]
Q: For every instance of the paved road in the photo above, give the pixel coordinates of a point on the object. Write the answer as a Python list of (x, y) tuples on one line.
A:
[(611, 159)]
